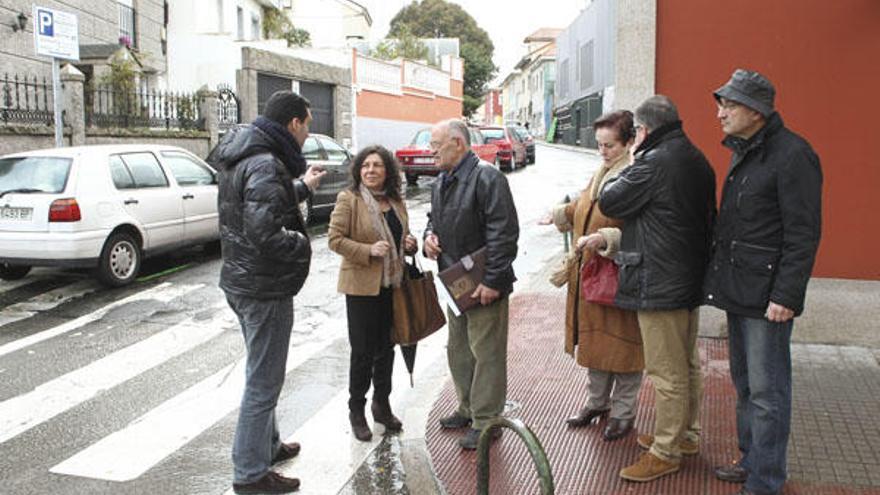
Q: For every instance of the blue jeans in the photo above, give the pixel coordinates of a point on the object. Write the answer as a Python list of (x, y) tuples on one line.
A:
[(760, 365), (266, 325)]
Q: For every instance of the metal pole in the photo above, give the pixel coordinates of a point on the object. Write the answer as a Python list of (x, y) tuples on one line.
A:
[(56, 99)]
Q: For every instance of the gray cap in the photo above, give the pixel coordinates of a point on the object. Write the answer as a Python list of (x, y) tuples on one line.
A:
[(749, 88)]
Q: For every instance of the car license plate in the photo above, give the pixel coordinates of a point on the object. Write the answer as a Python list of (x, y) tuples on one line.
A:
[(424, 160), (11, 213)]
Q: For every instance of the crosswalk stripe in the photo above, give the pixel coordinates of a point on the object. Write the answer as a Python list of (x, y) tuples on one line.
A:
[(128, 453), (46, 301), (52, 398), (164, 292)]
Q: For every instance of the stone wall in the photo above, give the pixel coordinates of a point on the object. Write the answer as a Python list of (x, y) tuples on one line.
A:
[(15, 139), (98, 22), (256, 61)]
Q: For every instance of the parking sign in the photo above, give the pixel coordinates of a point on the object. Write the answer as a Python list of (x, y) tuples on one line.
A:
[(56, 33)]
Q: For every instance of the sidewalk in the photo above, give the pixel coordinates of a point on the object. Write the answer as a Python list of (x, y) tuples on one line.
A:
[(835, 439)]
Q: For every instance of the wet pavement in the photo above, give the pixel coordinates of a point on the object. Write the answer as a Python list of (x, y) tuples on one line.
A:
[(135, 390)]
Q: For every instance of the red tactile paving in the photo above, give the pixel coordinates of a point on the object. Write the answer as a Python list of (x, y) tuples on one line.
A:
[(549, 386)]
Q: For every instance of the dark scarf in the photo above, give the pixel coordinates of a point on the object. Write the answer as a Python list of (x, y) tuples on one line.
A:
[(286, 148)]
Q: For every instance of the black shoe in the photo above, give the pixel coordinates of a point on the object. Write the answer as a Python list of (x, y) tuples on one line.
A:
[(617, 428), (733, 473), (470, 439), (271, 482), (285, 452), (359, 426), (382, 414), (585, 416), (455, 421)]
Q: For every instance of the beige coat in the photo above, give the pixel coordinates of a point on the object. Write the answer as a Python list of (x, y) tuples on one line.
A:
[(604, 337), (351, 234)]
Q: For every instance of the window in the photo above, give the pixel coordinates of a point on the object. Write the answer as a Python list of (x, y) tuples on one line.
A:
[(144, 170), (34, 174), (492, 135), (186, 171), (335, 153), (255, 27), (127, 23), (219, 16), (311, 150), (586, 65), (122, 178), (476, 137), (239, 17), (423, 138)]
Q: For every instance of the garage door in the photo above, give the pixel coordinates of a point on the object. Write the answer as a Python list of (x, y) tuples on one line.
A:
[(321, 98), (267, 85)]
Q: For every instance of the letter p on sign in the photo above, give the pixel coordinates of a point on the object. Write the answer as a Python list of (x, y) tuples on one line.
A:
[(45, 23)]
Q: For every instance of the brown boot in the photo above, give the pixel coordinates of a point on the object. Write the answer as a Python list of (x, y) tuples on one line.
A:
[(382, 414), (359, 425), (649, 467)]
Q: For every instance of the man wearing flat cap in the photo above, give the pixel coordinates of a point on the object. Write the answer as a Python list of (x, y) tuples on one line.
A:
[(764, 245)]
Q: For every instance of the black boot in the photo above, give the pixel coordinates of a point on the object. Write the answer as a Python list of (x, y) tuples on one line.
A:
[(381, 409), (359, 425)]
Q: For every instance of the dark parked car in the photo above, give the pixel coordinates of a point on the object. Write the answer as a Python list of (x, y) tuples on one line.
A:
[(326, 153), (527, 139)]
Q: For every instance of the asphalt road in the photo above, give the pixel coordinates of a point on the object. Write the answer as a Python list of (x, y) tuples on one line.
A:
[(135, 390)]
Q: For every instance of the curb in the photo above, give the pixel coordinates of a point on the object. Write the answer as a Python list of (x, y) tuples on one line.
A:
[(568, 147)]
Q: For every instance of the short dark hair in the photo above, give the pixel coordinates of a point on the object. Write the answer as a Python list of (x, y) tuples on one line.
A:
[(392, 170), (657, 111), (284, 106), (620, 121)]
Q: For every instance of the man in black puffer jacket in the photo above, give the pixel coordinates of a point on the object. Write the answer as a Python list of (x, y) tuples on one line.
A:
[(666, 199), (266, 256), (765, 244)]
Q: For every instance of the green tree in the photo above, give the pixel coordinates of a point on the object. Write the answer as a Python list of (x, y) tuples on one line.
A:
[(442, 19), (406, 45), (276, 25)]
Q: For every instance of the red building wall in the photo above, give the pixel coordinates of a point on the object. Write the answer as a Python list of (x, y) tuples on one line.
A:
[(824, 59)]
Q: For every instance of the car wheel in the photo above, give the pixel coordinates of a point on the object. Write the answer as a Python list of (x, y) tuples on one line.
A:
[(412, 179), (13, 272), (305, 209), (120, 260)]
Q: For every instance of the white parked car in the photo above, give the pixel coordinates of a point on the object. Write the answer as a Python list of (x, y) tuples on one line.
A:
[(105, 207)]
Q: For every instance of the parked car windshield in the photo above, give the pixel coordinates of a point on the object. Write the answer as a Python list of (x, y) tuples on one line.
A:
[(423, 138), (34, 174), (492, 135)]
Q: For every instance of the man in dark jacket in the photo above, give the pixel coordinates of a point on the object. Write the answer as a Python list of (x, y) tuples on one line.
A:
[(471, 207), (266, 255), (666, 199), (764, 246)]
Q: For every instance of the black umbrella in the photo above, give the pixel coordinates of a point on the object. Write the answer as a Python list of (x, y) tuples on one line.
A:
[(409, 357)]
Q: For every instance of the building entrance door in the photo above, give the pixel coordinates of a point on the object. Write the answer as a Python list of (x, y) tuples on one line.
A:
[(321, 98)]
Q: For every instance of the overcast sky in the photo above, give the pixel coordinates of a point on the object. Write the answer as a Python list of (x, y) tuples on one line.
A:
[(506, 21)]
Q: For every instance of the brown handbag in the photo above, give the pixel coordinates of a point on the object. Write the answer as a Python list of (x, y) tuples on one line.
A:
[(417, 311)]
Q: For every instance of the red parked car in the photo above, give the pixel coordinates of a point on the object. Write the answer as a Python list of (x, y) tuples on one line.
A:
[(511, 150), (417, 158)]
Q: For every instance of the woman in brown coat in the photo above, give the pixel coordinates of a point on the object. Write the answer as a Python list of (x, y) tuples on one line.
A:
[(604, 339), (369, 228)]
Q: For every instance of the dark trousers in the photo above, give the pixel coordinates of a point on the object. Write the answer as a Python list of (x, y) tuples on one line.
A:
[(760, 365), (372, 353)]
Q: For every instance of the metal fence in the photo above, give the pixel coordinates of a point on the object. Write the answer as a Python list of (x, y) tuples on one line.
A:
[(109, 107), (26, 100), (228, 107)]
